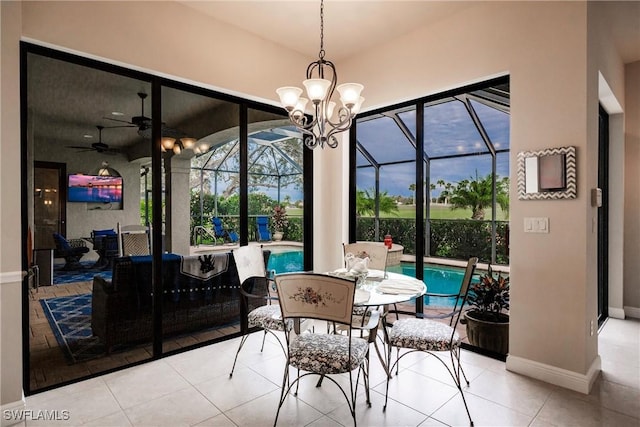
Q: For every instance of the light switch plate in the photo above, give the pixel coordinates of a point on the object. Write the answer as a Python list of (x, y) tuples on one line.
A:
[(536, 225)]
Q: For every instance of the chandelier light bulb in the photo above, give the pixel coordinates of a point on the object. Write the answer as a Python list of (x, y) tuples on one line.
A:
[(349, 93), (289, 96), (168, 143), (177, 149), (317, 89), (188, 143), (356, 108), (298, 111)]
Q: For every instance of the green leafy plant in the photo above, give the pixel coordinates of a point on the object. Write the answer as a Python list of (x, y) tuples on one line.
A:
[(279, 218), (489, 298)]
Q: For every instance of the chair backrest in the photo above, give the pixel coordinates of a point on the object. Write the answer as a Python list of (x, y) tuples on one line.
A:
[(249, 262), (464, 288), (262, 224), (134, 240), (315, 296), (376, 251), (62, 244), (217, 227)]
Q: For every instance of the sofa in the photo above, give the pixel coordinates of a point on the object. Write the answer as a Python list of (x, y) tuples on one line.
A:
[(198, 292)]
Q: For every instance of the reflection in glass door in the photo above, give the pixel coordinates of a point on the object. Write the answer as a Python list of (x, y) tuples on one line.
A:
[(90, 316), (49, 207)]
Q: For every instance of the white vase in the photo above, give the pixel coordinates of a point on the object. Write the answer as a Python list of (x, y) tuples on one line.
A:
[(277, 236)]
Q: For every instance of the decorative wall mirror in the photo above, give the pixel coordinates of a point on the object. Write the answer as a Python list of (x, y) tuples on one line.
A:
[(548, 174)]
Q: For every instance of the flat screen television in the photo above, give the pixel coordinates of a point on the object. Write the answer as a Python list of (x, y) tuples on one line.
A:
[(94, 188)]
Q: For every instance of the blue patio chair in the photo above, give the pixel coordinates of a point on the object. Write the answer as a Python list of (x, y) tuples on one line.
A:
[(222, 232), (262, 229)]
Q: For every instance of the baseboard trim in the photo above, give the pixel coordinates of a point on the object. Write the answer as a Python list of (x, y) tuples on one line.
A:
[(12, 277), (616, 313), (13, 413), (632, 312), (581, 383)]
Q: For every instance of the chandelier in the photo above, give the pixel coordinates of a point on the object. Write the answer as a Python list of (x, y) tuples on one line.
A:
[(323, 125)]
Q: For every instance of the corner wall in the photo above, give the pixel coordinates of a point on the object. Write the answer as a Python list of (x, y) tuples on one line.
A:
[(543, 47), (631, 300)]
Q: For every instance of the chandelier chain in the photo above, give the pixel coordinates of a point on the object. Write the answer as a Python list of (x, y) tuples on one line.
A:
[(321, 53)]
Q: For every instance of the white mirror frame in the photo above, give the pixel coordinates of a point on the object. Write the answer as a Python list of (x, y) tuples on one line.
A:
[(528, 175)]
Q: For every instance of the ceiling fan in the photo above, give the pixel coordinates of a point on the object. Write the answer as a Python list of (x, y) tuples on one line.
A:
[(143, 123), (99, 146)]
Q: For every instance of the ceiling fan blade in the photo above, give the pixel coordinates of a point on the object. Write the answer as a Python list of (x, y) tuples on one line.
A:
[(78, 147), (118, 120), (123, 126)]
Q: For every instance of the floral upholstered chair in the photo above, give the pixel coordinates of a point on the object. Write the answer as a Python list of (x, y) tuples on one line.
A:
[(254, 287), (433, 337), (329, 299)]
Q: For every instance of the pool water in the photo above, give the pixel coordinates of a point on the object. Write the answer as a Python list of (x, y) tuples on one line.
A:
[(285, 262), (439, 279)]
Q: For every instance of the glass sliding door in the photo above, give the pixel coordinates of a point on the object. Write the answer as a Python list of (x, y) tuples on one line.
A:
[(83, 320), (200, 299), (275, 179)]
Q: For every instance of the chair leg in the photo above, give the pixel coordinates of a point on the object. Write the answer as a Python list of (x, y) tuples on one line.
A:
[(242, 341), (283, 392), (264, 337)]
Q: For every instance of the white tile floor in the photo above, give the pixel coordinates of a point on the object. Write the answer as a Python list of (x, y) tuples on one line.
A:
[(194, 389)]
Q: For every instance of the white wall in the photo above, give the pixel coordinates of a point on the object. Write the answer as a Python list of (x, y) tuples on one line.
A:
[(632, 192), (10, 212)]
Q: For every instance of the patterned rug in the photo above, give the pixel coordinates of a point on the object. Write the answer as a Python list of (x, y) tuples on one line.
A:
[(70, 320), (83, 274)]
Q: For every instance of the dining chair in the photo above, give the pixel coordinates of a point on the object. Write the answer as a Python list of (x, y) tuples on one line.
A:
[(377, 253), (432, 337), (134, 240), (328, 299), (263, 311)]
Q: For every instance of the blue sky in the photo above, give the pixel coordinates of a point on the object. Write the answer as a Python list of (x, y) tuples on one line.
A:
[(449, 130)]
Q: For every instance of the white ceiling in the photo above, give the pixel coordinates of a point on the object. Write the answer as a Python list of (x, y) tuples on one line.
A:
[(349, 26), (352, 26)]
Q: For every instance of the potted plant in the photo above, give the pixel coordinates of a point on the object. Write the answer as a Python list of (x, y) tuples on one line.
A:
[(279, 221), (487, 320)]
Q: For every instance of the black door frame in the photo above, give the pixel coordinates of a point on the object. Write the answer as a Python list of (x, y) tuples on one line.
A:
[(603, 216)]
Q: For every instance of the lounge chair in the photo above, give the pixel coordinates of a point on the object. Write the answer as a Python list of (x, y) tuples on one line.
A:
[(262, 229), (223, 233), (70, 250)]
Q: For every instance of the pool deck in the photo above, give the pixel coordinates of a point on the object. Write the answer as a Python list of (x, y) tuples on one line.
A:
[(396, 250), (282, 244)]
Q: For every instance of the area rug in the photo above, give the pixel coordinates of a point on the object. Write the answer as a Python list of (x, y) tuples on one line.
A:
[(70, 320), (84, 274)]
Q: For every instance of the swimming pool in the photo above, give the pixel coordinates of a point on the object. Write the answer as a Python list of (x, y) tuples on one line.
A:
[(285, 261), (439, 279)]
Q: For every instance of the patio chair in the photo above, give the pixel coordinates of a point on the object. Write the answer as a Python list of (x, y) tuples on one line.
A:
[(256, 300), (432, 337), (221, 232), (134, 240), (323, 298), (377, 253), (262, 229), (70, 250)]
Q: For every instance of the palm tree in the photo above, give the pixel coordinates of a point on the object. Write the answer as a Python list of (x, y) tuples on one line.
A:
[(366, 203), (477, 194)]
